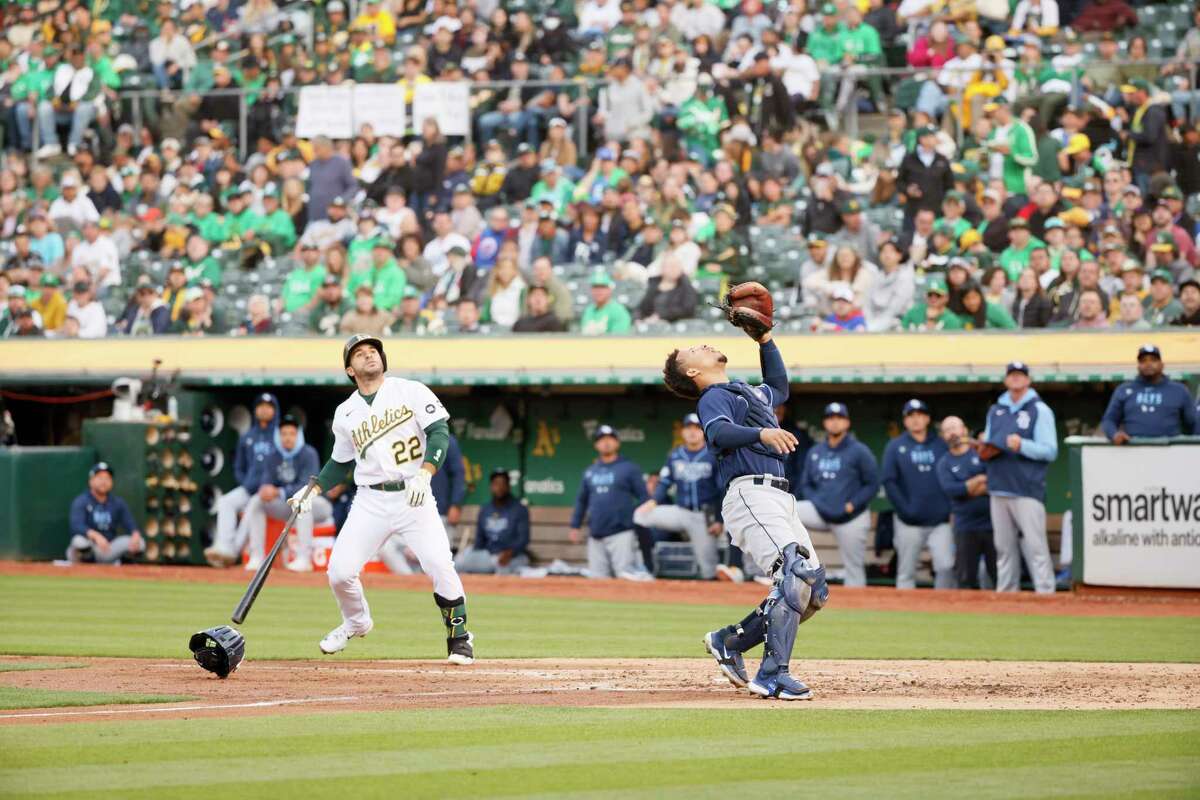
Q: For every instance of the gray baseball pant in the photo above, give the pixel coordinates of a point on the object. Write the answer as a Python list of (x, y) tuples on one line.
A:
[(1019, 524), (481, 562), (253, 527), (761, 521), (613, 555), (228, 539), (910, 540), (694, 524), (851, 539), (118, 547)]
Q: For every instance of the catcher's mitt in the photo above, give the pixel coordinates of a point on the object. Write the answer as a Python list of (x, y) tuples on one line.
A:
[(749, 306)]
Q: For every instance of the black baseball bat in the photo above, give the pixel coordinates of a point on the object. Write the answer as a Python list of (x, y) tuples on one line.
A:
[(260, 577)]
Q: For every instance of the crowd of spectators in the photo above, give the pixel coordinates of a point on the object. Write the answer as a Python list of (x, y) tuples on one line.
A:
[(1023, 174)]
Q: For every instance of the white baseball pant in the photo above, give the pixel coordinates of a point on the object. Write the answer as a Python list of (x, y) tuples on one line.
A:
[(694, 524), (910, 540), (253, 527), (851, 538), (1019, 527), (761, 521), (228, 538), (374, 516)]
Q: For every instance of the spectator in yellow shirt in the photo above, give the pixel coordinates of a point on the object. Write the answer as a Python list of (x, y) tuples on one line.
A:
[(50, 303), (377, 20)]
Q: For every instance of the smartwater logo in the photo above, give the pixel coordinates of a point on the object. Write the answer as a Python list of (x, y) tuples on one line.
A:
[(1162, 506)]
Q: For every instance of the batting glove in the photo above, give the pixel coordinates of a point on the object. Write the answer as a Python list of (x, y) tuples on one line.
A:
[(300, 503), (417, 487)]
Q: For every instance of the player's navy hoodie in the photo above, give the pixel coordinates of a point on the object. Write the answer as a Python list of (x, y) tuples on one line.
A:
[(607, 496), (253, 448), (289, 470), (503, 525), (971, 514), (1143, 408), (834, 476), (911, 482)]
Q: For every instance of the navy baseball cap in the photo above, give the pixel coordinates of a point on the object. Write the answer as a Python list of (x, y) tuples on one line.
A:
[(288, 419), (499, 472), (1149, 350), (915, 405), (264, 398), (1016, 366), (837, 410), (691, 419), (100, 466), (605, 430)]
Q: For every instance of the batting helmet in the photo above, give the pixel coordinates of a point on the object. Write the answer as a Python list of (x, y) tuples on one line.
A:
[(218, 650), (362, 338)]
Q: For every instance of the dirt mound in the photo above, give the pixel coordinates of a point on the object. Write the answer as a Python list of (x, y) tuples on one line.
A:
[(305, 686)]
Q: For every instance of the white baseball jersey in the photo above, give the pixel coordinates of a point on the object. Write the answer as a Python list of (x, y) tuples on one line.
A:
[(386, 437)]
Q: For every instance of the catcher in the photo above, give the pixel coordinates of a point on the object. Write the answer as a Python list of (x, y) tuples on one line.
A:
[(760, 513)]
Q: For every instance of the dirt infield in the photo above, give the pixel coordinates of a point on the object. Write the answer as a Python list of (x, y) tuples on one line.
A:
[(272, 687), (1092, 602)]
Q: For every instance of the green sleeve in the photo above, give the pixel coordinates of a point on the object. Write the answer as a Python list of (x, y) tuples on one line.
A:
[(437, 443), (997, 317), (334, 473), (1024, 148), (619, 320)]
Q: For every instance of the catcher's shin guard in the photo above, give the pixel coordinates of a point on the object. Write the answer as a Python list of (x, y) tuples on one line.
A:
[(799, 592)]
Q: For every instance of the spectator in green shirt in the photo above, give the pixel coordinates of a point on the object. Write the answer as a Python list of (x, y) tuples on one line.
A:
[(242, 220), (197, 264), (861, 47), (553, 187), (603, 314), (387, 278), (1015, 140), (1161, 307), (277, 228), (826, 46), (1021, 243), (933, 314), (208, 224), (330, 307), (302, 283), (28, 90), (979, 312)]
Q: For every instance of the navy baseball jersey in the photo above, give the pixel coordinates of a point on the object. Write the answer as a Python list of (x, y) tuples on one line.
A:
[(693, 475), (607, 496), (910, 481), (111, 517), (1142, 408)]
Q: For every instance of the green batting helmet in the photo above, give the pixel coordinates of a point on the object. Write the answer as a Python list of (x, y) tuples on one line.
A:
[(362, 338)]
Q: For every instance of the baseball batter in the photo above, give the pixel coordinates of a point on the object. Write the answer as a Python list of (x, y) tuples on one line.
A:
[(760, 514), (390, 437)]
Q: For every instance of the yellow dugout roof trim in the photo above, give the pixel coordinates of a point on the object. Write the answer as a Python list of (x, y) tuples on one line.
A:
[(576, 355)]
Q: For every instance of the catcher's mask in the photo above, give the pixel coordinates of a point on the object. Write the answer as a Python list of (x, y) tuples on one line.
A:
[(218, 650)]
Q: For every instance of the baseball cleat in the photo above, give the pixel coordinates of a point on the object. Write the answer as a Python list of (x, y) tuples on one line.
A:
[(731, 574), (253, 563), (461, 650), (780, 686), (728, 661), (218, 558), (336, 640), (299, 565)]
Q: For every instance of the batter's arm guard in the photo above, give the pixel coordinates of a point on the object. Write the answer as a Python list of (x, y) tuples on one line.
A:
[(437, 443)]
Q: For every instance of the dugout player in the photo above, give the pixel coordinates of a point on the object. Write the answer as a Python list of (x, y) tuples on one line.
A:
[(501, 532), (102, 527), (840, 478), (692, 471), (760, 513), (963, 478), (285, 472), (611, 488), (1019, 444), (253, 447), (1149, 405), (922, 511), (389, 437)]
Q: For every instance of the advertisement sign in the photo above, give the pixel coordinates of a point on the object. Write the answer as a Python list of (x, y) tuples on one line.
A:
[(448, 102), (1141, 515), (326, 111)]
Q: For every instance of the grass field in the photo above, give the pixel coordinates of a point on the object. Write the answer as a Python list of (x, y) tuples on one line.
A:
[(580, 751), (82, 617), (617, 753)]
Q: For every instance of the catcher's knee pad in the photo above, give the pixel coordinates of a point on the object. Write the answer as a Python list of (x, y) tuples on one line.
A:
[(218, 650)]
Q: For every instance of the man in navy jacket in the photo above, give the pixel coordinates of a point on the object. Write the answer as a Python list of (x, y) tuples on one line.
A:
[(1021, 429), (252, 450), (961, 475), (922, 513), (840, 477), (102, 525), (611, 488), (285, 471), (501, 533), (1150, 405)]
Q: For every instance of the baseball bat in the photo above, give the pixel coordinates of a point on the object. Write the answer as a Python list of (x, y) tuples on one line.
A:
[(260, 577)]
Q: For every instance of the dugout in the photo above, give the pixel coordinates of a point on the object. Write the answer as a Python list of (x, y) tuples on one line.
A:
[(530, 403)]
